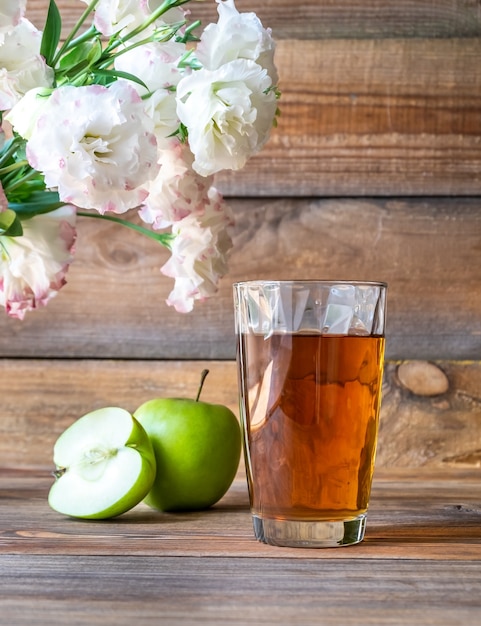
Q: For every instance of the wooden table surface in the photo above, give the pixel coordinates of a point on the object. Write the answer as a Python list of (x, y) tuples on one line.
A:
[(420, 562)]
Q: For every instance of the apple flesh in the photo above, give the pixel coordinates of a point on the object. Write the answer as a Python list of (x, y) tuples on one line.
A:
[(197, 449), (105, 465)]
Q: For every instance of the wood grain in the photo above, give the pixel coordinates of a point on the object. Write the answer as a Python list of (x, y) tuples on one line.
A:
[(414, 514), (356, 119), (419, 564), (327, 18), (373, 172), (41, 398), (368, 125), (110, 591), (436, 430), (426, 249)]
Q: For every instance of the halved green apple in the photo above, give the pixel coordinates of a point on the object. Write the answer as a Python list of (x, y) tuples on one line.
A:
[(105, 465)]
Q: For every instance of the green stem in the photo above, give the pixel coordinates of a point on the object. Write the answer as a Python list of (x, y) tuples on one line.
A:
[(109, 57), (9, 150), (164, 7), (14, 166), (18, 183), (163, 238), (90, 33), (74, 31), (189, 29)]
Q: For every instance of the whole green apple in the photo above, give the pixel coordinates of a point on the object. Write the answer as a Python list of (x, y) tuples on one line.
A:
[(197, 450), (105, 465)]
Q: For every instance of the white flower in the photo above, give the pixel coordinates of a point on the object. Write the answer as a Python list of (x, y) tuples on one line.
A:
[(33, 266), (114, 16), (177, 190), (123, 16), (23, 116), (21, 66), (156, 66), (96, 145), (199, 254), (154, 63), (161, 107), (11, 12), (228, 112), (236, 36), (144, 123)]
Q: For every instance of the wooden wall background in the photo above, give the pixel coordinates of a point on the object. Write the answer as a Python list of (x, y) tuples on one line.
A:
[(373, 173)]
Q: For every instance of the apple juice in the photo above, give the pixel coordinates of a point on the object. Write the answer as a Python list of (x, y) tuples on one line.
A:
[(311, 411)]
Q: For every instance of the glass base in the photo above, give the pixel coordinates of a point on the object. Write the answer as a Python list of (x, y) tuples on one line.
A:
[(310, 534)]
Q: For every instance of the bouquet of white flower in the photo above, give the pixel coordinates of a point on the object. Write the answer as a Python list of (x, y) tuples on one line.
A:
[(130, 111)]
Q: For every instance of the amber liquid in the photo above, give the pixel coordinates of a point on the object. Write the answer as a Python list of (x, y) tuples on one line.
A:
[(311, 412)]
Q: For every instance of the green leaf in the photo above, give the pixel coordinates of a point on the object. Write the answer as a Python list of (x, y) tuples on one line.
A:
[(38, 202), (51, 33), (95, 51), (112, 75), (22, 192), (10, 225), (78, 57), (181, 133)]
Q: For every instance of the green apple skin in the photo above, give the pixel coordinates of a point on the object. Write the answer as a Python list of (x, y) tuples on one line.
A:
[(197, 449), (79, 493)]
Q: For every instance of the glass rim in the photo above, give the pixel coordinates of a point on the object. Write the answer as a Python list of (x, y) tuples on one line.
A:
[(310, 281)]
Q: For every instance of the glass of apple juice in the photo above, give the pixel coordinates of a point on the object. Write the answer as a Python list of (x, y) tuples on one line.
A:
[(310, 361)]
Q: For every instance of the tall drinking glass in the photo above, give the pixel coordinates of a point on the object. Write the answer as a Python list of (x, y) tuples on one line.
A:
[(310, 361)]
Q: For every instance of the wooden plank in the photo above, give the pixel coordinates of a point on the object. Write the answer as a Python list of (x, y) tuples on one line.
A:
[(114, 303), (443, 429), (327, 18), (107, 591), (357, 120), (413, 515), (40, 398)]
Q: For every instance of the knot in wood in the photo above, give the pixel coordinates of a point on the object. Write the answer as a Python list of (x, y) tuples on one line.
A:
[(123, 256), (423, 378)]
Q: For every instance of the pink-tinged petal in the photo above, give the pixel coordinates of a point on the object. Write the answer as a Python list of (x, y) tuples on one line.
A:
[(33, 267), (113, 16), (11, 13), (3, 200), (228, 112), (96, 145), (199, 253), (22, 68), (177, 191)]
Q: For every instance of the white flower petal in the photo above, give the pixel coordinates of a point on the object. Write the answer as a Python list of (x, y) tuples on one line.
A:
[(113, 16), (23, 116), (199, 253), (96, 145), (11, 12), (33, 266), (236, 36), (228, 112), (177, 191), (21, 66)]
